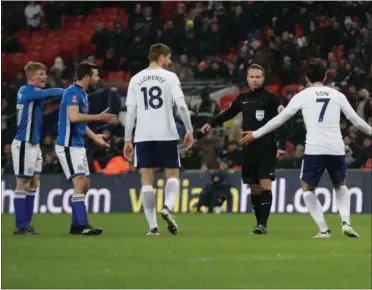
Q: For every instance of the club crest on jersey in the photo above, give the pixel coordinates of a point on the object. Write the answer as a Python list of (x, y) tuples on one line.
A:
[(37, 89), (74, 99), (260, 115)]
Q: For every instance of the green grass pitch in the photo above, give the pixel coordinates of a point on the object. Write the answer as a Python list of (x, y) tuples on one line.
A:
[(210, 251)]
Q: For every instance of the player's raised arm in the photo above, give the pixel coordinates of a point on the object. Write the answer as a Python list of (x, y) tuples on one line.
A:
[(288, 112), (228, 114), (40, 94), (76, 117), (353, 117)]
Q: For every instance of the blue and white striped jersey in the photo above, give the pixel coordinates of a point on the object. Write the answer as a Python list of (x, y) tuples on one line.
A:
[(30, 111), (72, 134)]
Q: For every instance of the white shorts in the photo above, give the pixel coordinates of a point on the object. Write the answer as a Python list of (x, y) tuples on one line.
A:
[(73, 161), (27, 159)]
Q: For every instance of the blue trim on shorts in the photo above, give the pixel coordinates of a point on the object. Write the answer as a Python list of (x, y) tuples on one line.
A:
[(23, 176), (76, 174)]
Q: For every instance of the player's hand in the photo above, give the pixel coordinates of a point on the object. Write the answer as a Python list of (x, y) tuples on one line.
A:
[(206, 128), (100, 140), (280, 153), (128, 150), (248, 138), (188, 141), (106, 117)]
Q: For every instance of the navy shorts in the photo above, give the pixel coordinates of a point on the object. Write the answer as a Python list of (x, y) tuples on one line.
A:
[(154, 154), (313, 167)]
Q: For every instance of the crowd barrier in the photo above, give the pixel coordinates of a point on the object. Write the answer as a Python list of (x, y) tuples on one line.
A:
[(121, 193)]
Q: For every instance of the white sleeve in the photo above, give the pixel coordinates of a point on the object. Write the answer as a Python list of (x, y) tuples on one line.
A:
[(176, 88), (353, 117), (184, 113), (131, 96), (131, 112), (129, 122), (289, 111)]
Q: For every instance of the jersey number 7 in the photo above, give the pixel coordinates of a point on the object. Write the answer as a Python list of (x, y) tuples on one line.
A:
[(324, 108), (152, 97)]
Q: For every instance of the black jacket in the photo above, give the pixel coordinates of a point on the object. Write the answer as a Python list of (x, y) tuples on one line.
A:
[(258, 107)]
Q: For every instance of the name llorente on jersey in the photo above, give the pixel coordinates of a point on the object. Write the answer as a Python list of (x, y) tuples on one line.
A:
[(150, 78)]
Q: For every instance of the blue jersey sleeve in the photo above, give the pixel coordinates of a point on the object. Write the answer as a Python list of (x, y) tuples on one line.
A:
[(40, 94), (72, 99)]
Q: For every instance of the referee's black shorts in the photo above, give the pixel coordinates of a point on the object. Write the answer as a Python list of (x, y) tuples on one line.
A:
[(258, 166)]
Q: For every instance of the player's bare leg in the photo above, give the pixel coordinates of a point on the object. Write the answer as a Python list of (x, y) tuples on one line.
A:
[(149, 202), (315, 209), (343, 205), (22, 187), (80, 224), (172, 189)]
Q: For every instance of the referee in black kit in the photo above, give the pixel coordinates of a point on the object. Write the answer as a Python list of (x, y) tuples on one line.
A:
[(258, 107)]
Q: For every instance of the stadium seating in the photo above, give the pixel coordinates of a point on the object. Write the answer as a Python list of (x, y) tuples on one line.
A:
[(75, 35)]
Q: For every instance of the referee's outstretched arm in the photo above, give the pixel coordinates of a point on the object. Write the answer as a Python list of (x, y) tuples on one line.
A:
[(228, 114)]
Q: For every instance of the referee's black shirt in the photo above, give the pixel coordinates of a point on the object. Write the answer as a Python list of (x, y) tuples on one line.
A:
[(258, 107)]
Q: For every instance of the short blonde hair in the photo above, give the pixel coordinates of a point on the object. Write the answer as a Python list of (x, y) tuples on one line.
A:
[(32, 67)]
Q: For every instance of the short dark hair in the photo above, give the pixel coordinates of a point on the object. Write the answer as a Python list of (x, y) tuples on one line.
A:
[(315, 71), (84, 69), (157, 50), (256, 66)]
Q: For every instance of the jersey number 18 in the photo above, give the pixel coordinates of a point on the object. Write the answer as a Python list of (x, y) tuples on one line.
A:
[(152, 97)]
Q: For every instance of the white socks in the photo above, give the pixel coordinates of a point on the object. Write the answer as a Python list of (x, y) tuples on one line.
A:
[(343, 203), (149, 207), (315, 209), (172, 188)]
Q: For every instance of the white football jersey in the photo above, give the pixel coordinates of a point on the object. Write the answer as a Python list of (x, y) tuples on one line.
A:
[(153, 91), (321, 109)]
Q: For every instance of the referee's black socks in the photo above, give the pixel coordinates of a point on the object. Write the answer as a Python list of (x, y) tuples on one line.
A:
[(256, 205), (266, 202)]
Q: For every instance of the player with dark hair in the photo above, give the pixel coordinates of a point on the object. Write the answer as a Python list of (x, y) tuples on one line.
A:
[(72, 128), (26, 153), (257, 106), (321, 108)]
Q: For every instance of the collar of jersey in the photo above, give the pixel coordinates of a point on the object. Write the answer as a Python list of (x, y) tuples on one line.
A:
[(75, 84), (154, 67)]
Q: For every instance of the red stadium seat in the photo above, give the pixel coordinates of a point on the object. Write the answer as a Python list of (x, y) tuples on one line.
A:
[(226, 101), (111, 11), (245, 89), (273, 88), (115, 76), (294, 88), (128, 76), (99, 62)]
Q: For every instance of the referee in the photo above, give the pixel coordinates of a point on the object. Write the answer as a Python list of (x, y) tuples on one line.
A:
[(258, 107)]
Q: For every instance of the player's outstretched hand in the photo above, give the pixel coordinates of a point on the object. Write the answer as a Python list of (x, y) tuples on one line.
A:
[(106, 117), (248, 138), (100, 140), (128, 150), (206, 128), (188, 140), (280, 153)]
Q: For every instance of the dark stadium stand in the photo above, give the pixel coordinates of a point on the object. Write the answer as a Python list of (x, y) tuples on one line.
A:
[(213, 44)]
